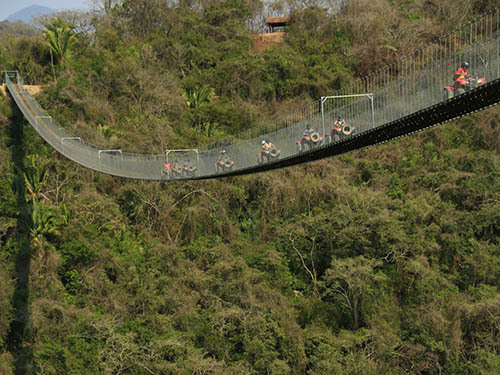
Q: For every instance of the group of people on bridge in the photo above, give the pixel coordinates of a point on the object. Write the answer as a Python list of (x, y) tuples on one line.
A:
[(311, 138)]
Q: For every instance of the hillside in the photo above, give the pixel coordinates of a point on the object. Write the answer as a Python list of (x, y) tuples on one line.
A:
[(382, 261)]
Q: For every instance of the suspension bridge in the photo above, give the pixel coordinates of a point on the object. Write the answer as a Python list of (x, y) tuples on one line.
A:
[(411, 95)]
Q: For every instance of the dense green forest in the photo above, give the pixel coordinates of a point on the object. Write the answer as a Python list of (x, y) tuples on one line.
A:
[(381, 261)]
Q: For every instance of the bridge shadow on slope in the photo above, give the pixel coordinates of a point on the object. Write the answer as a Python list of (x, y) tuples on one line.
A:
[(19, 340)]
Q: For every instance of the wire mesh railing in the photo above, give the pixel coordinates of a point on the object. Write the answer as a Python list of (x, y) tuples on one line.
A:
[(416, 82)]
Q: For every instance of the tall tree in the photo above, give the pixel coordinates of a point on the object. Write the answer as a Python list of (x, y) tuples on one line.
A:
[(348, 281), (60, 37)]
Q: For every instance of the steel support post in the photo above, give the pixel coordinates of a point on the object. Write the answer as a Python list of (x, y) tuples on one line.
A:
[(109, 151), (370, 96), (195, 150), (41, 117), (69, 139)]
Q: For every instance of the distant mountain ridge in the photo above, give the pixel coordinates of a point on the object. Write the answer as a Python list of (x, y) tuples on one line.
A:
[(27, 14)]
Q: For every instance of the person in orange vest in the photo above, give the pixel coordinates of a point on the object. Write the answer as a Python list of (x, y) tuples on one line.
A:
[(460, 78), (165, 172)]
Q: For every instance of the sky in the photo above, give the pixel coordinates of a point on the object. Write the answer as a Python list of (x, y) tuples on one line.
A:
[(7, 7)]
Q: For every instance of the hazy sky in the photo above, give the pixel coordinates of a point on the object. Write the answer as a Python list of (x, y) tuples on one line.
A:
[(7, 7)]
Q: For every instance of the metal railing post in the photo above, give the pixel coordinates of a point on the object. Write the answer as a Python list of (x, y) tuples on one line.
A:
[(70, 138), (323, 98), (370, 96), (41, 117), (109, 151)]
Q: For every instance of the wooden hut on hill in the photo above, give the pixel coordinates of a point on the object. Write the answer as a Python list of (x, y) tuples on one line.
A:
[(275, 24)]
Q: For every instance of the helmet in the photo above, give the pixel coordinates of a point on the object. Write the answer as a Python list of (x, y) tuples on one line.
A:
[(263, 142), (465, 64), (340, 117), (222, 151)]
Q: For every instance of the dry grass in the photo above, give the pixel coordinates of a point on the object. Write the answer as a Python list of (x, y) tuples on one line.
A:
[(32, 89), (262, 42)]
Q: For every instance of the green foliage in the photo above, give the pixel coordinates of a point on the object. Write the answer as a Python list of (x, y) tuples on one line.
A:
[(43, 222), (60, 38), (7, 197), (35, 173), (199, 113), (196, 99), (350, 282), (383, 261), (77, 253)]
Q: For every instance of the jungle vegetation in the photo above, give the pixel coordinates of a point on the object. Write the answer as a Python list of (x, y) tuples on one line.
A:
[(382, 261)]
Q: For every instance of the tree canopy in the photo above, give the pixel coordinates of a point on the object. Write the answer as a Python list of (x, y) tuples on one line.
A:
[(382, 261)]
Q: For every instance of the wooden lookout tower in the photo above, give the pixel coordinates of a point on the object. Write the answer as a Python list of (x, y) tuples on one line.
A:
[(275, 24), (275, 27)]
